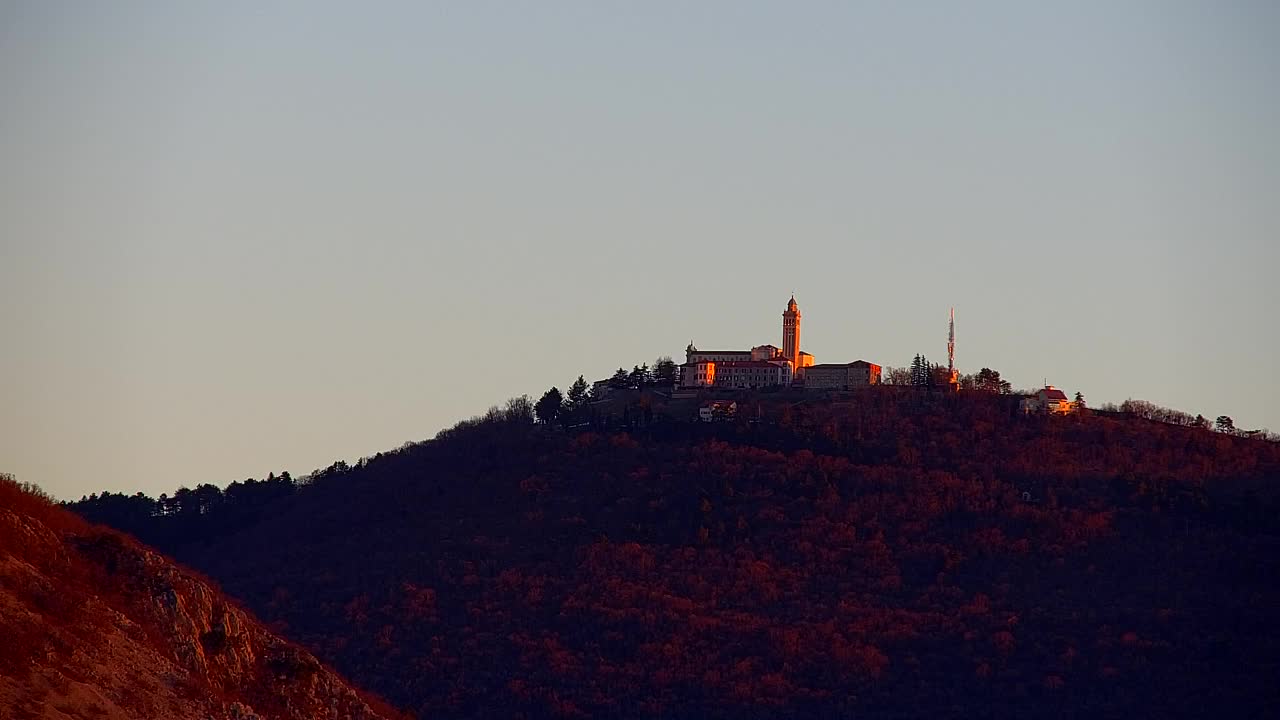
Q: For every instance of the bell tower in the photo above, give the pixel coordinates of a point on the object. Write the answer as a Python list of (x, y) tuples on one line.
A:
[(791, 333)]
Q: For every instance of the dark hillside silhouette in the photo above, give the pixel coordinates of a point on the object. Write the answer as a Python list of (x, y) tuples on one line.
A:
[(93, 625), (888, 554)]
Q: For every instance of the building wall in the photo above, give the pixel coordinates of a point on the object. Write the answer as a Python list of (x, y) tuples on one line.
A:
[(822, 378), (753, 375), (787, 374), (842, 377), (698, 374), (864, 374)]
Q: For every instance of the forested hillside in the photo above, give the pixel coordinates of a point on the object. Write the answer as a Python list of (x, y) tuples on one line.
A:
[(894, 555), (92, 625)]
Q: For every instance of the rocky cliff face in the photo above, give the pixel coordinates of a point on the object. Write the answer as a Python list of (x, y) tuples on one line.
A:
[(98, 626)]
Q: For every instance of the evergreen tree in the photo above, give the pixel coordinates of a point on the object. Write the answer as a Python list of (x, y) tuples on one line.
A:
[(665, 370), (639, 377), (577, 396), (620, 380), (921, 371), (548, 407), (988, 380), (1080, 400)]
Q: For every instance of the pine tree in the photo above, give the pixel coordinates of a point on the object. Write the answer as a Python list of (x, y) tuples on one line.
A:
[(548, 407), (664, 370), (921, 371), (620, 380), (988, 380), (639, 377), (577, 395)]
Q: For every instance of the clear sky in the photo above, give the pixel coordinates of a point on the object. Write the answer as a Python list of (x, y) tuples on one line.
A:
[(242, 237)]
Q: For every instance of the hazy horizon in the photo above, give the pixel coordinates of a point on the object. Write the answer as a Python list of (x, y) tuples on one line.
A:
[(240, 238)]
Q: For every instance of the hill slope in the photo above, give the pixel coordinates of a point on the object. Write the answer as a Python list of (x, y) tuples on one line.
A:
[(900, 556), (96, 626)]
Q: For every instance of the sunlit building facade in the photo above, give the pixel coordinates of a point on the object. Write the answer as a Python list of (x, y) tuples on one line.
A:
[(1049, 400), (761, 366), (752, 374), (699, 373)]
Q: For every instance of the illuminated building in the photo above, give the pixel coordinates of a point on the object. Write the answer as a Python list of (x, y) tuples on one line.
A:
[(699, 373), (752, 374), (761, 366), (1049, 400)]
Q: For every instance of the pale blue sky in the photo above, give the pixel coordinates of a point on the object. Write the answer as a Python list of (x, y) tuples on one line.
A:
[(244, 237)]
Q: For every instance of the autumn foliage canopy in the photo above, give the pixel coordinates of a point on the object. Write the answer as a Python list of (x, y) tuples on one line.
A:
[(889, 555)]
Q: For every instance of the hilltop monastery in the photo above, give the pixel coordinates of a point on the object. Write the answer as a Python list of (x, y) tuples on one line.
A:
[(769, 365)]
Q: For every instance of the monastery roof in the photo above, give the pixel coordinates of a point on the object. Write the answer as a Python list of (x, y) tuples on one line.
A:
[(832, 366), (1051, 393)]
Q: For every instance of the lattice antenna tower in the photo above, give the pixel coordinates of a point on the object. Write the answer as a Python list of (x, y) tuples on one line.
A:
[(951, 345)]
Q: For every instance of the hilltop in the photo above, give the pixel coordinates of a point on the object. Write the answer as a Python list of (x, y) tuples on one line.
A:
[(886, 553), (95, 625)]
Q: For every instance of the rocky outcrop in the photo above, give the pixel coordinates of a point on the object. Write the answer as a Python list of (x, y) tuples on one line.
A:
[(98, 626)]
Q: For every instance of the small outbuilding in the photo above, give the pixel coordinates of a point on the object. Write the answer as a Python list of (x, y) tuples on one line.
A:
[(1049, 400), (718, 410)]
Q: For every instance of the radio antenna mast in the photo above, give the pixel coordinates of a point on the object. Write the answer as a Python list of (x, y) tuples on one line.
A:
[(951, 344), (953, 375)]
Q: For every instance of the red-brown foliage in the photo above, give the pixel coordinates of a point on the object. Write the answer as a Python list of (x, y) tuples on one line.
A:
[(92, 623), (896, 554)]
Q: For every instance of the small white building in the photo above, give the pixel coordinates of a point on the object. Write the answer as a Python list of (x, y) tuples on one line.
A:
[(1048, 400), (719, 410)]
